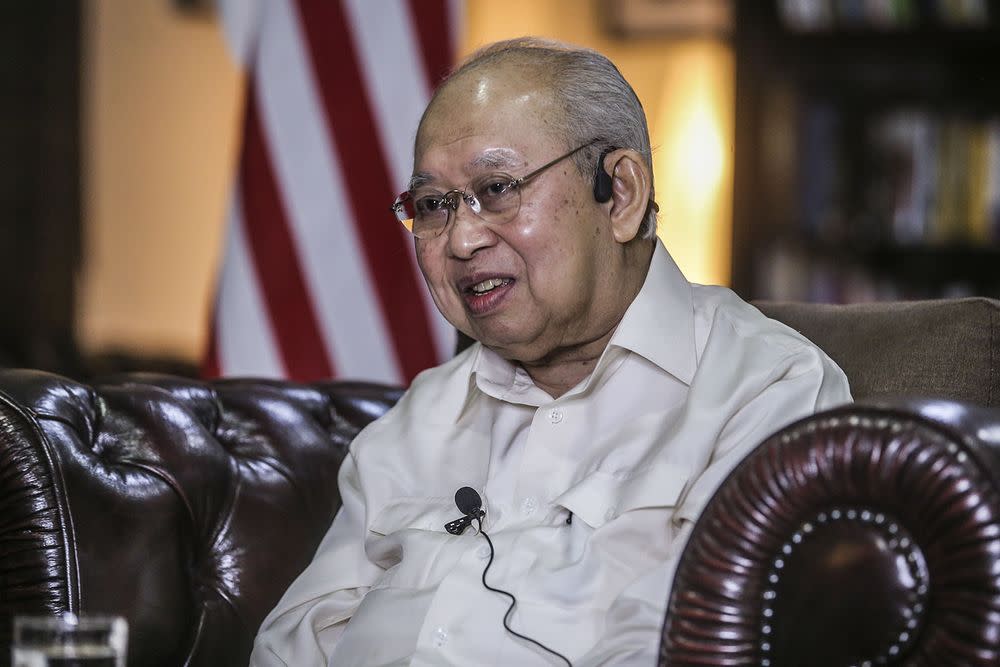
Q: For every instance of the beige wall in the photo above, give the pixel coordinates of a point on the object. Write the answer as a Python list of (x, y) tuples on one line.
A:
[(160, 110)]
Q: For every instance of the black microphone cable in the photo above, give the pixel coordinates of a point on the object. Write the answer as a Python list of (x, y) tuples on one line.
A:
[(470, 504), (513, 600)]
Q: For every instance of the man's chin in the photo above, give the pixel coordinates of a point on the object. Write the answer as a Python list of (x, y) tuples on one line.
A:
[(516, 351), (514, 342)]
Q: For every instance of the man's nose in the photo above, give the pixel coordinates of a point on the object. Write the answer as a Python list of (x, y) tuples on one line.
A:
[(468, 232)]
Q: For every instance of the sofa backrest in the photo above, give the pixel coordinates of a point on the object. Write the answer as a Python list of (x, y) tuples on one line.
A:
[(186, 507), (189, 507), (945, 348), (948, 348)]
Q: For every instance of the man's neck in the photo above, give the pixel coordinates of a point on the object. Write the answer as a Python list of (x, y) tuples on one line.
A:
[(564, 368), (558, 375)]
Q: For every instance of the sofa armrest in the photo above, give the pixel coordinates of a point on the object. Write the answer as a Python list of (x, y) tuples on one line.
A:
[(866, 533)]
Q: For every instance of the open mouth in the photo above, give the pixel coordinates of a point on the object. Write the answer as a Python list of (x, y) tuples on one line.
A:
[(488, 285), (487, 295)]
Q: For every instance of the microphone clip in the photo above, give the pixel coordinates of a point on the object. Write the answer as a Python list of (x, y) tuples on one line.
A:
[(471, 505), (458, 526)]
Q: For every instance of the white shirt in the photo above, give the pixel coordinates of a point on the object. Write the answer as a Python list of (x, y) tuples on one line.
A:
[(692, 379)]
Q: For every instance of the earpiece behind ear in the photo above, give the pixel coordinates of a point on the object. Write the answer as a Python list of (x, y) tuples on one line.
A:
[(602, 179)]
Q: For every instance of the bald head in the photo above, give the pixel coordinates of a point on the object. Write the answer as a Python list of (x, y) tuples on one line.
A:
[(474, 92), (581, 93)]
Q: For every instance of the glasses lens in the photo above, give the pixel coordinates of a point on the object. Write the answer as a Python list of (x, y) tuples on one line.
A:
[(405, 210), (423, 215), (430, 214), (499, 197), (494, 198)]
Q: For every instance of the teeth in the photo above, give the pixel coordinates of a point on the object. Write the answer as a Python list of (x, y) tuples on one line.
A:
[(489, 284)]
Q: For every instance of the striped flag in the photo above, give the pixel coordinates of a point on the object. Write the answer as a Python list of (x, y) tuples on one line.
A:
[(318, 279)]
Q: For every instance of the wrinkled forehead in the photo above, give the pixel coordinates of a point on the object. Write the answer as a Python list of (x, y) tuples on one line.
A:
[(491, 87), (486, 119), (494, 159)]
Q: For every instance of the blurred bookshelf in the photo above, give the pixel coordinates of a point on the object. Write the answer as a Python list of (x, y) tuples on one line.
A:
[(867, 149)]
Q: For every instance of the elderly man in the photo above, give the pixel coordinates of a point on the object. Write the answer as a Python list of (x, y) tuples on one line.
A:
[(604, 401)]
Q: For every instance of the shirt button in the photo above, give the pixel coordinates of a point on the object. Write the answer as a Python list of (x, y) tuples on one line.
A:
[(611, 513), (529, 506), (440, 637), (483, 551), (555, 416)]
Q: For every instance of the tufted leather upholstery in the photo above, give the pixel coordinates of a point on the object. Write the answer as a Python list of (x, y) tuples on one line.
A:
[(189, 507), (186, 507), (868, 535)]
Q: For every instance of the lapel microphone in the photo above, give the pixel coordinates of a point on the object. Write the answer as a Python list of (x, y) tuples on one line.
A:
[(470, 505)]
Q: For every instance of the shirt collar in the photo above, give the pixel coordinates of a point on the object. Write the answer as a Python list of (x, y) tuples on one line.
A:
[(658, 325), (499, 378)]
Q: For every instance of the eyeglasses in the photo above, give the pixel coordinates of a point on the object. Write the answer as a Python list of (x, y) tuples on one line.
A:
[(494, 198)]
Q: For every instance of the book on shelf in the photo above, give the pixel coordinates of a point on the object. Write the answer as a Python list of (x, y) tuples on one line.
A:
[(905, 168), (824, 15), (962, 208), (992, 195), (916, 176), (785, 272), (820, 164), (978, 185)]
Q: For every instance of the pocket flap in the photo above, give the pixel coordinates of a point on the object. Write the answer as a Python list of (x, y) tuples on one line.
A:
[(601, 496), (415, 512)]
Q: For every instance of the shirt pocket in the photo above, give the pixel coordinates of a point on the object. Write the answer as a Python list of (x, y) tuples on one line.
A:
[(601, 497), (414, 513), (407, 538)]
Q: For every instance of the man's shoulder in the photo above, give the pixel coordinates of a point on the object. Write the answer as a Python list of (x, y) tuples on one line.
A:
[(727, 327), (437, 394), (444, 387), (736, 337), (719, 309)]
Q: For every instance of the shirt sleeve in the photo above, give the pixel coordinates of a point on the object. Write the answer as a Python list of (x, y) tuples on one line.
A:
[(805, 382), (307, 622)]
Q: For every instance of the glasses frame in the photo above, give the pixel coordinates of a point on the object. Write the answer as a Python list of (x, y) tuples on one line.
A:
[(451, 197)]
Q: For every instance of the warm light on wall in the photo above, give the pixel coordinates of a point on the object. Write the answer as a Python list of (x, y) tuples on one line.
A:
[(697, 161), (161, 105), (692, 162), (686, 87)]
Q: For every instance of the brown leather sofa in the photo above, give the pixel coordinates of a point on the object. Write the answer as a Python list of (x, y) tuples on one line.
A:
[(864, 534)]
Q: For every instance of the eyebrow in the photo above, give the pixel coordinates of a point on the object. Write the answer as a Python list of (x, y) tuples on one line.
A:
[(418, 180), (495, 158)]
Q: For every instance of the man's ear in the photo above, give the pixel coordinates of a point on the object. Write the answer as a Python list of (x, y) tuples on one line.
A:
[(630, 190)]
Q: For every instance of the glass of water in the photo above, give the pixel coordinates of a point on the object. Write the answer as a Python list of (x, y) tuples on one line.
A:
[(69, 641)]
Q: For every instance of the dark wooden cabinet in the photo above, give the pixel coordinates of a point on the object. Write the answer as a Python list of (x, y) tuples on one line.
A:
[(867, 149), (40, 233)]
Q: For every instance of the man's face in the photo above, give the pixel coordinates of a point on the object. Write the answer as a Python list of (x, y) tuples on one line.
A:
[(545, 280)]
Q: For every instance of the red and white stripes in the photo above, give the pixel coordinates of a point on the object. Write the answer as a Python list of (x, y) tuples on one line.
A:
[(319, 280)]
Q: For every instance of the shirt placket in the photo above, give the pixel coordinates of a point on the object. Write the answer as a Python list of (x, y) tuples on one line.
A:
[(543, 473), (447, 636)]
